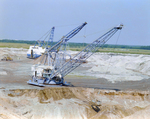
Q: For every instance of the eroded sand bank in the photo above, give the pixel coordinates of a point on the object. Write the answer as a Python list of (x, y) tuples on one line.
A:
[(74, 103)]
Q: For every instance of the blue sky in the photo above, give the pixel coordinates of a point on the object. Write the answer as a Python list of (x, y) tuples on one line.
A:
[(30, 19)]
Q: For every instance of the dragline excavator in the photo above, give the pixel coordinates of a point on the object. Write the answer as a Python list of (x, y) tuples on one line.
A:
[(39, 48), (54, 73), (52, 57)]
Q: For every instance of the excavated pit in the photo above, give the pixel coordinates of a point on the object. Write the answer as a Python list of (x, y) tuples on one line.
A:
[(105, 87), (73, 103)]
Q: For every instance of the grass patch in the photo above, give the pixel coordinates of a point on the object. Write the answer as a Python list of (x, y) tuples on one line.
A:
[(118, 50), (106, 50), (14, 45), (125, 51)]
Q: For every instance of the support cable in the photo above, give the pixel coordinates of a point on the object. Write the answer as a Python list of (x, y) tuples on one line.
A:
[(113, 51)]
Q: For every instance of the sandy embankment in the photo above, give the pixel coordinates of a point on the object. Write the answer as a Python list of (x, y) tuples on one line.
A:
[(19, 100), (74, 103), (118, 67)]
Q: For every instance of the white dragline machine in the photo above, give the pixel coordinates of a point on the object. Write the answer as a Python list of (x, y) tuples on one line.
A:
[(54, 65)]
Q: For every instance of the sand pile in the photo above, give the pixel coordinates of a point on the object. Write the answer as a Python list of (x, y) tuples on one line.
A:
[(14, 53), (73, 103), (117, 67)]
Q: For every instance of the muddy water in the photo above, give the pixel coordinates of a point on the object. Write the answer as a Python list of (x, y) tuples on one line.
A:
[(73, 103)]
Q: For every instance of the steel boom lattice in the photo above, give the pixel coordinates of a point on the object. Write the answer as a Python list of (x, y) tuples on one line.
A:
[(65, 38), (85, 53)]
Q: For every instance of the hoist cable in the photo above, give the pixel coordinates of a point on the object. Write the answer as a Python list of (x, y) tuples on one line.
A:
[(113, 51)]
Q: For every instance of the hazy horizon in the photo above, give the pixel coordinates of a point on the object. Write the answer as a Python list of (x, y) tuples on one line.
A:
[(29, 20)]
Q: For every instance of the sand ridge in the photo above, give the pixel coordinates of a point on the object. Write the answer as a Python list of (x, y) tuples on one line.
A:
[(73, 102)]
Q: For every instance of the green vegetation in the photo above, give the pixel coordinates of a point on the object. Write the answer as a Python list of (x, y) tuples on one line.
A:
[(125, 51), (17, 41), (14, 45), (79, 46)]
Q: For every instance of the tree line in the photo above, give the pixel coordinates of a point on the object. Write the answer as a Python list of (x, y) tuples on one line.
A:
[(78, 45)]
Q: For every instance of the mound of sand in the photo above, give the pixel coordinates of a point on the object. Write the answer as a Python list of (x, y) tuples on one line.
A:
[(73, 103), (117, 67)]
